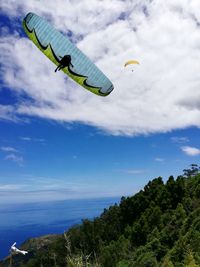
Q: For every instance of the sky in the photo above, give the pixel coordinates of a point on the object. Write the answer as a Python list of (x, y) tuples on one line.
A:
[(59, 141)]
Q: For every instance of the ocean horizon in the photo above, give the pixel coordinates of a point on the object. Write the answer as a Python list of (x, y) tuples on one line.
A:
[(19, 222)]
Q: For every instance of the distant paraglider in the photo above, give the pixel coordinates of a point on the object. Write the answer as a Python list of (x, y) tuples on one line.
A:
[(130, 62)]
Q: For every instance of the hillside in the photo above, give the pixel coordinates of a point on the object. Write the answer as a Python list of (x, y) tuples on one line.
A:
[(157, 227)]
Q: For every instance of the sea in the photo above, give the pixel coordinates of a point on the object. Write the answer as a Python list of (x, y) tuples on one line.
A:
[(19, 222)]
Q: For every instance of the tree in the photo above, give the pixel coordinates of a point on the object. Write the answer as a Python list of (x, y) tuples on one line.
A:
[(194, 170), (115, 252)]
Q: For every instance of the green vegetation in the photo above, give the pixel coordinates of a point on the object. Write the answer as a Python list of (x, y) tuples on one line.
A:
[(157, 227)]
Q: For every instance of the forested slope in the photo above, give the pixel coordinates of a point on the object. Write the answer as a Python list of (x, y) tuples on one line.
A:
[(159, 226)]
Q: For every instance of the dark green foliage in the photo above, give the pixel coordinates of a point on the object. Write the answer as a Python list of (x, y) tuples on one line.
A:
[(193, 171), (116, 250), (157, 227)]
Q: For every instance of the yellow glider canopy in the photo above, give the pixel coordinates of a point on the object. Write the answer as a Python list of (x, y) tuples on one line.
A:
[(131, 62)]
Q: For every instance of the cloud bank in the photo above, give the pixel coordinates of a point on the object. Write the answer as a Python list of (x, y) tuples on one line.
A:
[(49, 189), (159, 95)]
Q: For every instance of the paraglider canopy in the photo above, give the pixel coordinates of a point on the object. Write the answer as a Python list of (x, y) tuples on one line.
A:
[(68, 58), (131, 62)]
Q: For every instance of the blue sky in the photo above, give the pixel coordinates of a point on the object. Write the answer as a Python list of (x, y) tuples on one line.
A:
[(59, 141)]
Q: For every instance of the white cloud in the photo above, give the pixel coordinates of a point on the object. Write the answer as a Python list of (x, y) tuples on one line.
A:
[(15, 158), (25, 138), (30, 139), (7, 113), (159, 159), (180, 140), (10, 187), (190, 151), (12, 154), (160, 95), (8, 149)]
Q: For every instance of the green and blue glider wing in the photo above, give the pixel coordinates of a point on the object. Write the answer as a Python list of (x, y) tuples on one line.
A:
[(55, 45)]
